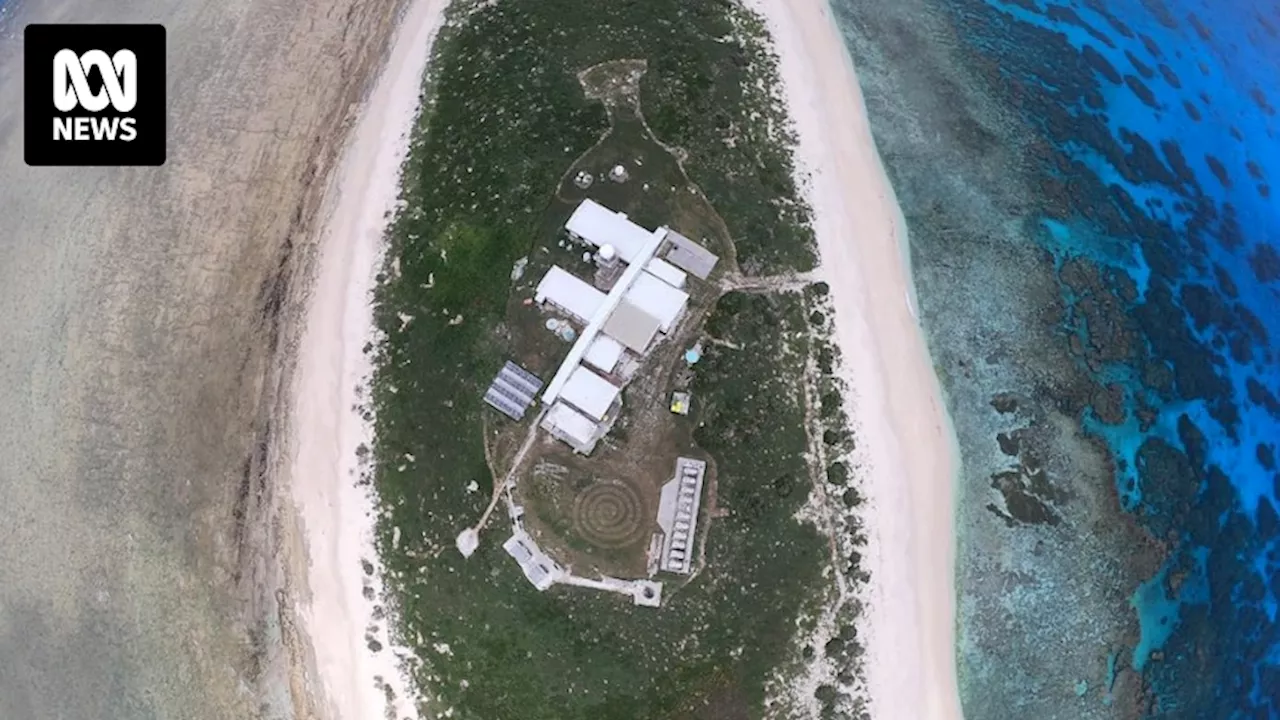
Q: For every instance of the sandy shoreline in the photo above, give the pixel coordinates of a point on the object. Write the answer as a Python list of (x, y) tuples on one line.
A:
[(906, 446), (338, 517)]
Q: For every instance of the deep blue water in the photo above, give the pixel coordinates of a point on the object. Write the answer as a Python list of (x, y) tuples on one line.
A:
[(1162, 117), (1092, 189), (1176, 117)]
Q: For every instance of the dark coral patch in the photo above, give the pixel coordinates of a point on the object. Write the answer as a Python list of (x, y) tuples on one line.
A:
[(1235, 133), (1005, 403), (1108, 404), (1008, 443), (1265, 262), (1169, 480), (1268, 521), (1260, 99), (1192, 112), (1119, 26), (1152, 48), (1241, 348), (1266, 456), (1169, 76), (1096, 61), (1219, 170), (1264, 190), (1143, 69), (1062, 14), (1225, 283), (1261, 396), (1173, 153), (1267, 27), (1141, 162), (1252, 324), (1100, 7), (1204, 306), (1195, 372), (1255, 171), (1028, 495), (1229, 234), (1201, 30), (1161, 13), (1142, 92)]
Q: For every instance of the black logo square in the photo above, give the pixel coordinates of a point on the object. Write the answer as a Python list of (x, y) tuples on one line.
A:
[(94, 95)]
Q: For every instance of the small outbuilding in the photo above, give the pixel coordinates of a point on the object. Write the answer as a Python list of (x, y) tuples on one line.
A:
[(680, 403), (540, 570), (689, 255)]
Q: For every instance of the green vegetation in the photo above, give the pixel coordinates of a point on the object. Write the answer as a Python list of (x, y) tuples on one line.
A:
[(506, 119)]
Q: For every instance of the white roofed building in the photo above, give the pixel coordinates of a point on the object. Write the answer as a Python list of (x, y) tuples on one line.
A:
[(658, 299), (604, 353), (590, 393), (666, 272), (646, 299), (541, 571), (569, 293), (597, 225), (572, 427)]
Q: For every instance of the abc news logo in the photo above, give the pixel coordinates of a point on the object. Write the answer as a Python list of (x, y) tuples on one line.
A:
[(94, 95)]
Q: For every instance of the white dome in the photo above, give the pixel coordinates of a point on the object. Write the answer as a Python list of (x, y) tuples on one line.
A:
[(607, 252)]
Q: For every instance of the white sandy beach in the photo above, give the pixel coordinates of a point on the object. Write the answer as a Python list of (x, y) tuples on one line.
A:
[(338, 517), (904, 436)]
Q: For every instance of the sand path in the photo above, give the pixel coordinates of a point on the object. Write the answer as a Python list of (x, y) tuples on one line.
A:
[(905, 441)]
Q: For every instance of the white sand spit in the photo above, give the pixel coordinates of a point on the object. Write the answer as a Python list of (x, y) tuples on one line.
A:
[(338, 517), (906, 444)]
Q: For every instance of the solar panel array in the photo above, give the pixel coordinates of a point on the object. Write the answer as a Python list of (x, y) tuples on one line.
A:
[(512, 391)]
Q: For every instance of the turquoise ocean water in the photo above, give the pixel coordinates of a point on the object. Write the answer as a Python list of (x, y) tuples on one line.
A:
[(1093, 194)]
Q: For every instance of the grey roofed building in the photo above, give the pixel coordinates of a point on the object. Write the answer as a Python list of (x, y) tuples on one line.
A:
[(689, 255), (632, 326), (512, 391)]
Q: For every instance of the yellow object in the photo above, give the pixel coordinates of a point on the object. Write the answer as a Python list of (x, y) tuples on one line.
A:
[(680, 403)]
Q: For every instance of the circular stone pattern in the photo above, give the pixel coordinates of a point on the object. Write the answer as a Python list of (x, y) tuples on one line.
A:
[(608, 514)]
